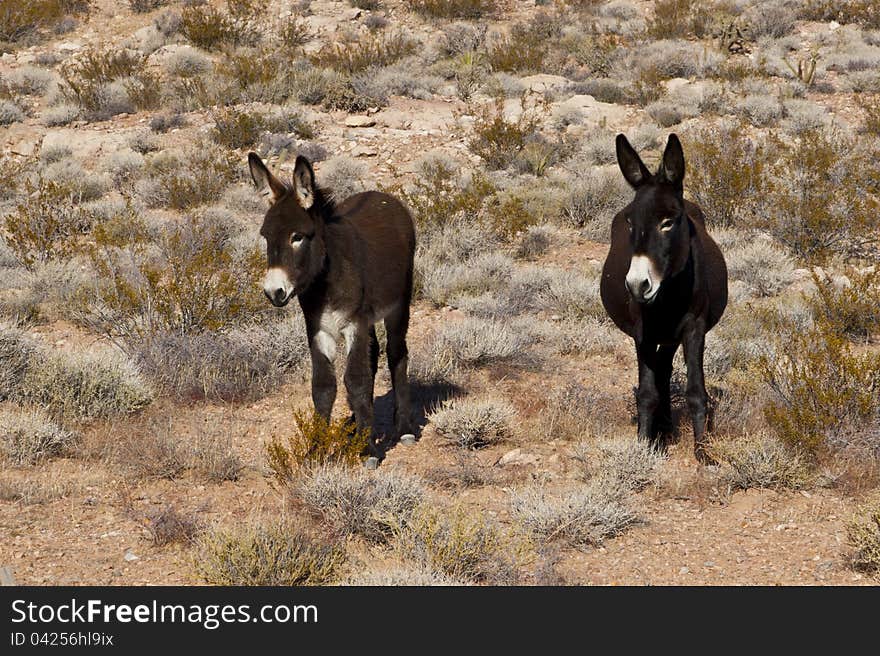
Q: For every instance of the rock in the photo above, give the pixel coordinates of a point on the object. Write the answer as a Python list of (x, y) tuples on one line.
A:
[(68, 46), (517, 457), (408, 439), (676, 84), (364, 151), (544, 82), (593, 111), (130, 556), (360, 122), (353, 14), (371, 463)]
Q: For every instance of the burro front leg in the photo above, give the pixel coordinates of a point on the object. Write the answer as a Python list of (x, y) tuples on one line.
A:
[(359, 379), (698, 400), (648, 396), (323, 351)]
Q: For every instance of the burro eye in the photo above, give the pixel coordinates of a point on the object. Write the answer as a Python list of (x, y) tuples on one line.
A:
[(296, 238), (667, 223)]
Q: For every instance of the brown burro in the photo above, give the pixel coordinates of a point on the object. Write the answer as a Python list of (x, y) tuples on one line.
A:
[(350, 266), (664, 283)]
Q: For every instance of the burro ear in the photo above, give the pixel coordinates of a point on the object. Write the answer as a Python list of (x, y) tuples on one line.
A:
[(672, 168), (631, 165), (304, 182), (264, 182)]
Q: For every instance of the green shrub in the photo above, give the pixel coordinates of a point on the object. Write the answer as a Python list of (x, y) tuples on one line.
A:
[(316, 441), (240, 129), (453, 8), (200, 177), (524, 49), (821, 389), (276, 554)]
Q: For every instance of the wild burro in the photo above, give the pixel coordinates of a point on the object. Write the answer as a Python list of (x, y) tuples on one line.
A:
[(350, 266), (664, 283)]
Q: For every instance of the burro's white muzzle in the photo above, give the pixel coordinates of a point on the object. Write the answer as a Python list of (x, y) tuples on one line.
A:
[(642, 279), (277, 286)]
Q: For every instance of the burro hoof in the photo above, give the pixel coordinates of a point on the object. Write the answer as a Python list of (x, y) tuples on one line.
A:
[(408, 439), (371, 463)]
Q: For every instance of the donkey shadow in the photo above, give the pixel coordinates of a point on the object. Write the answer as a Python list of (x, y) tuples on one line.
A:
[(424, 397)]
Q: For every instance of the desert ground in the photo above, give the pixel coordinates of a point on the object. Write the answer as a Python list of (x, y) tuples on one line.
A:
[(154, 407)]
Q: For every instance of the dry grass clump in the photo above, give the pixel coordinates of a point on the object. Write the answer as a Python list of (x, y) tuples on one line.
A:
[(758, 460), (461, 546), (207, 27), (863, 536), (235, 365), (17, 350), (168, 525), (625, 463), (401, 575), (315, 441), (501, 141), (678, 19), (473, 423), (583, 517), (197, 177), (475, 342), (84, 385), (236, 128), (353, 501), (29, 436), (263, 554), (760, 263)]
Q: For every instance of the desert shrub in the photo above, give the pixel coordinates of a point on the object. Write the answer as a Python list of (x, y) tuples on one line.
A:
[(473, 423), (370, 50), (824, 196), (440, 195), (863, 537), (61, 114), (109, 82), (584, 517), (16, 352), (534, 242), (22, 19), (233, 365), (144, 6), (872, 116), (28, 81), (254, 554), (446, 282), (762, 265), (207, 27), (727, 175), (10, 113), (211, 456), (188, 62), (453, 8), (343, 177), (628, 464), (316, 441), (592, 199), (84, 385), (461, 546), (760, 109), (29, 490), (29, 436), (758, 460), (523, 49), (190, 280), (45, 226), (680, 19), (293, 33), (573, 294), (498, 140), (865, 12), (125, 166), (168, 525), (474, 342), (820, 389), (201, 176), (355, 502), (853, 307)]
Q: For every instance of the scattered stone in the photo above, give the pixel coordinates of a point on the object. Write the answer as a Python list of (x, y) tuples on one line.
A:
[(359, 122), (517, 457), (130, 556), (371, 463), (408, 439)]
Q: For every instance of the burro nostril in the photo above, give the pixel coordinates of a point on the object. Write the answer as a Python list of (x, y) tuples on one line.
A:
[(279, 295), (644, 286)]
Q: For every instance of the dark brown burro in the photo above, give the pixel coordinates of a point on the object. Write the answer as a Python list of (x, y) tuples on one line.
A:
[(350, 266), (664, 283)]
